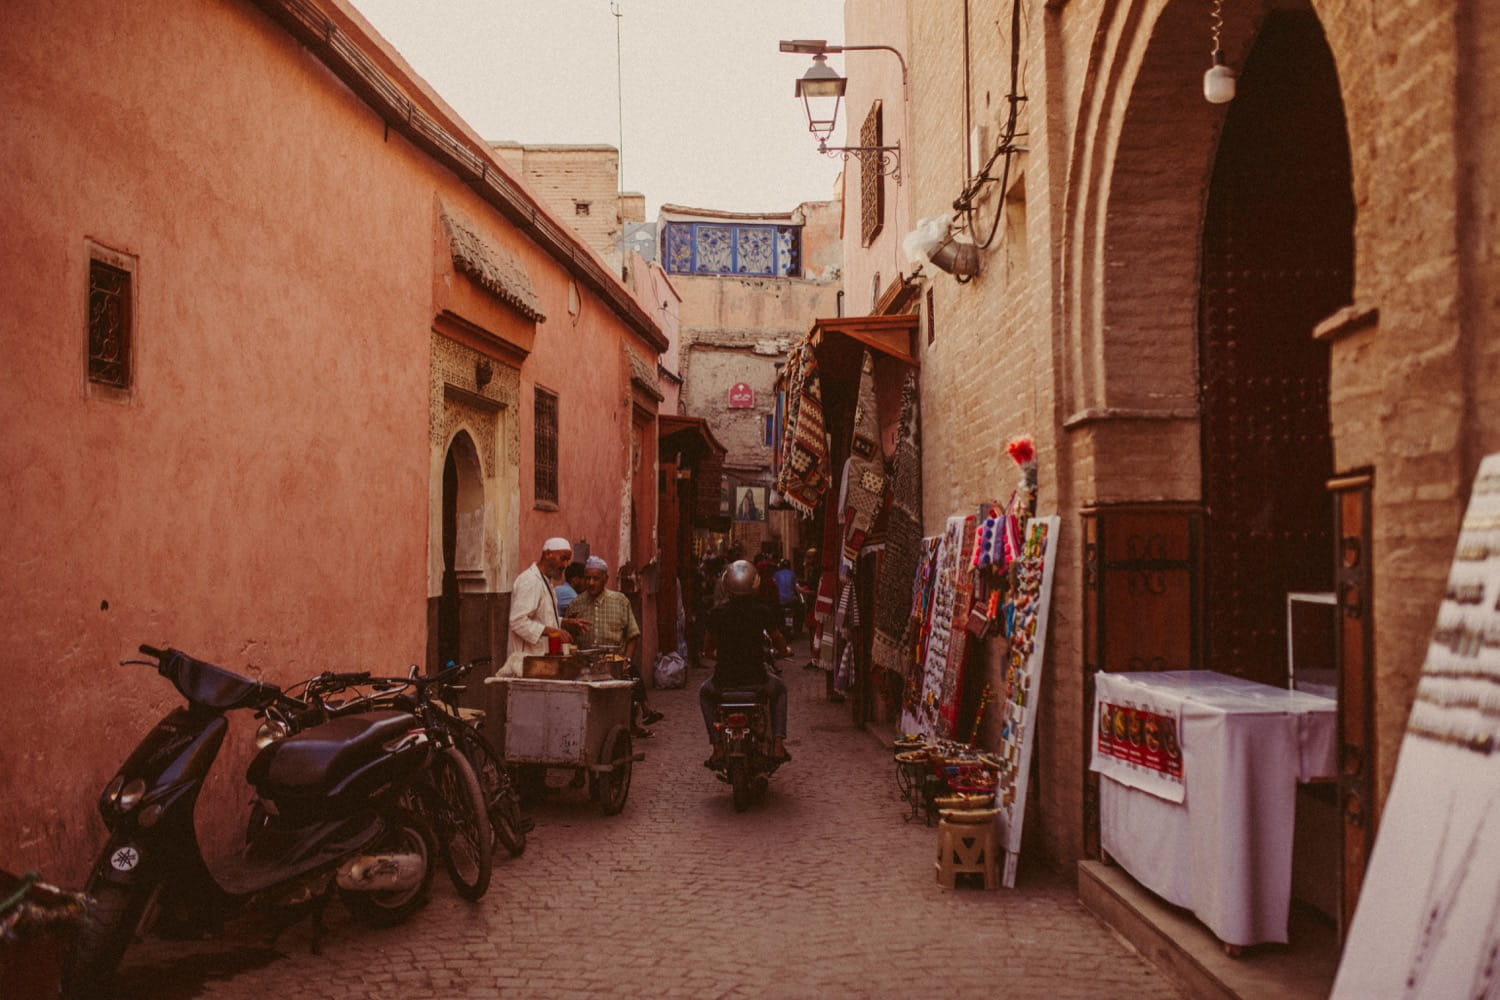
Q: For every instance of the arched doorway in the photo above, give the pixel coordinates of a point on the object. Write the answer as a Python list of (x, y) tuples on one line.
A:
[(463, 541), (1278, 257)]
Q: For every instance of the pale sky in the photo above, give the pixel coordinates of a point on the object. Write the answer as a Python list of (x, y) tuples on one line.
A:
[(709, 115)]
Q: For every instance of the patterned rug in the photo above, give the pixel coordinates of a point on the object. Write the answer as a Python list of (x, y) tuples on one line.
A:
[(805, 470), (942, 631), (893, 591), (950, 694), (864, 473)]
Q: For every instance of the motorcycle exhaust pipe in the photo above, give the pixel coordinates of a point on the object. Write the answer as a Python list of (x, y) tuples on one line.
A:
[(381, 872)]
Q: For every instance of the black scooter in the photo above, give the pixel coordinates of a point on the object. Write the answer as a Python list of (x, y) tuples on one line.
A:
[(744, 724), (333, 815)]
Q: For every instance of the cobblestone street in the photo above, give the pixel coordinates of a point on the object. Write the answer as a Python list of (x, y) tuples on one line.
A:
[(820, 889)]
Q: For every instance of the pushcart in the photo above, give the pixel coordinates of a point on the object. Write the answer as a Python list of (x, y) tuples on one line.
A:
[(578, 722)]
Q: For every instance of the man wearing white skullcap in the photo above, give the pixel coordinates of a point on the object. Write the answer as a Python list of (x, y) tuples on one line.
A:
[(533, 607)]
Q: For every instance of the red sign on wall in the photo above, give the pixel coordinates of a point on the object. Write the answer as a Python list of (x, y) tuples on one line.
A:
[(741, 396)]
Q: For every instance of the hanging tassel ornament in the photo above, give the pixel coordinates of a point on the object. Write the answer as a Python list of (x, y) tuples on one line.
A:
[(984, 699)]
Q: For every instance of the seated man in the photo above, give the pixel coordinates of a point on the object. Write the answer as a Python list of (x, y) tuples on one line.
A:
[(737, 630), (608, 620)]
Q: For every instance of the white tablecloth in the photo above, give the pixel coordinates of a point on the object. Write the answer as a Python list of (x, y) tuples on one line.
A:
[(1225, 851)]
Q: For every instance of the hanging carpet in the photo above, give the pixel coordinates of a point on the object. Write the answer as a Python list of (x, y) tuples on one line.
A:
[(805, 470), (893, 593)]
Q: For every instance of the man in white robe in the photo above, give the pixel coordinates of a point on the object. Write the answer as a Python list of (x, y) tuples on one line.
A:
[(533, 607)]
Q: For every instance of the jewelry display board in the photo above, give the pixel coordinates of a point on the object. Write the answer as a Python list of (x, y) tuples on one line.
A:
[(1428, 921), (1028, 640)]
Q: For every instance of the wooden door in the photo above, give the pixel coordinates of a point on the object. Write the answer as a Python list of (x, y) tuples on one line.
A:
[(1142, 607), (1277, 258)]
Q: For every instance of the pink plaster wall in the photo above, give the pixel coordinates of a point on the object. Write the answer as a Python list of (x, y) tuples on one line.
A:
[(261, 499)]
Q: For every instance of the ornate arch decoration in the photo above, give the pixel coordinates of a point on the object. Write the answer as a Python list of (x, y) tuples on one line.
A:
[(1138, 172)]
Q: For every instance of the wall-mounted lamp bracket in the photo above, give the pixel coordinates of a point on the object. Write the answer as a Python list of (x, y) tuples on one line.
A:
[(886, 158)]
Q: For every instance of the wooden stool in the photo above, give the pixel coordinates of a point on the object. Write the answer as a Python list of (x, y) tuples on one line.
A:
[(968, 844)]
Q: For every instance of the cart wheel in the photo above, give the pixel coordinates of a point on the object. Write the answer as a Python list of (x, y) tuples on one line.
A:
[(614, 785)]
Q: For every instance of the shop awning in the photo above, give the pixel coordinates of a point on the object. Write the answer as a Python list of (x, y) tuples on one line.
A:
[(849, 335), (686, 436)]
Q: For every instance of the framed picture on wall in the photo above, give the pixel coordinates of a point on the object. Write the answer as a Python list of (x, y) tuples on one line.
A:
[(750, 503)]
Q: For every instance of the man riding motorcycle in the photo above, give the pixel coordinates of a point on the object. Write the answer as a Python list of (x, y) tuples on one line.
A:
[(738, 629)]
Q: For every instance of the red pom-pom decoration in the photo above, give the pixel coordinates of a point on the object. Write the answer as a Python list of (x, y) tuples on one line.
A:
[(1022, 450)]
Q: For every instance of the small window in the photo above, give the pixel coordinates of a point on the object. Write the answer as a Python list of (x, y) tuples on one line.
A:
[(931, 321), (871, 180), (544, 431), (580, 208), (111, 320)]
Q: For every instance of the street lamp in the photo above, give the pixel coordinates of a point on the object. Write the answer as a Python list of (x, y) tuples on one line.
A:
[(821, 90)]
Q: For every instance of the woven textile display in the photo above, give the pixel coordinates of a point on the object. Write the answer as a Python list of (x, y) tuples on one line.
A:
[(919, 623), (805, 471), (958, 640), (864, 473), (893, 590), (924, 716), (846, 621)]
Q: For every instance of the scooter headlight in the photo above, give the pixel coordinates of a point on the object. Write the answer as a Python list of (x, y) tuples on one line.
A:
[(271, 731), (131, 794)]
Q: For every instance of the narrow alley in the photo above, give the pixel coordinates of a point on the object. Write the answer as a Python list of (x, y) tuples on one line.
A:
[(822, 889)]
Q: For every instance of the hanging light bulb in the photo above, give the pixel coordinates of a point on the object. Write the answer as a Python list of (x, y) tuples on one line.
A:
[(1218, 82)]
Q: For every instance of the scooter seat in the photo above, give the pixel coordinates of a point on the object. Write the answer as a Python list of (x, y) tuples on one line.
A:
[(317, 759), (742, 695)]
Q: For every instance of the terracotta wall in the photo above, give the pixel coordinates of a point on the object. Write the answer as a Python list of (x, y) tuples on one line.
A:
[(260, 497)]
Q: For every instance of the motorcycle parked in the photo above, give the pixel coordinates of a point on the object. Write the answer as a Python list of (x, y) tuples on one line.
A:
[(459, 794), (334, 817)]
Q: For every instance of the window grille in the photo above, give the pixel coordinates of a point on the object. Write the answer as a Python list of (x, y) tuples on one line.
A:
[(720, 248), (109, 325), (871, 180), (544, 431)]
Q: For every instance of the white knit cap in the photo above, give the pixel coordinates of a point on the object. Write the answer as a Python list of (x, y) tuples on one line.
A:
[(594, 562), (557, 544)]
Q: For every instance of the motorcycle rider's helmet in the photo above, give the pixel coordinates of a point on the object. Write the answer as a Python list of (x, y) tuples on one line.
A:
[(741, 579)]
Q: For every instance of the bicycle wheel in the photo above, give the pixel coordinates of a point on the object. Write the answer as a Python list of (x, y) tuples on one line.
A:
[(500, 792), (463, 825)]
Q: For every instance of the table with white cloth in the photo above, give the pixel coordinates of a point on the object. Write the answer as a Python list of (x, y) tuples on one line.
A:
[(1224, 851)]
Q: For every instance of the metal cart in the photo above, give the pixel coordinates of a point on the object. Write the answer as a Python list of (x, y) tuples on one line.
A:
[(580, 723)]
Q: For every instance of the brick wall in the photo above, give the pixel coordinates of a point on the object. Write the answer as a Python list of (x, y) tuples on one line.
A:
[(1086, 337), (581, 184)]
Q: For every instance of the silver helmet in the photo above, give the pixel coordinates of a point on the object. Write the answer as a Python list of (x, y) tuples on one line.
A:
[(741, 579)]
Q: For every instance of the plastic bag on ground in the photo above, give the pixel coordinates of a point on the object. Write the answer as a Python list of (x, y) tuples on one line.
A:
[(671, 671)]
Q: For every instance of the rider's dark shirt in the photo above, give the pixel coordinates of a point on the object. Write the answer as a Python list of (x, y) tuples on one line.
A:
[(739, 627)]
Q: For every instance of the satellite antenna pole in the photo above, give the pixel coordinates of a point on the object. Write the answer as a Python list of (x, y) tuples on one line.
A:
[(614, 8)]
